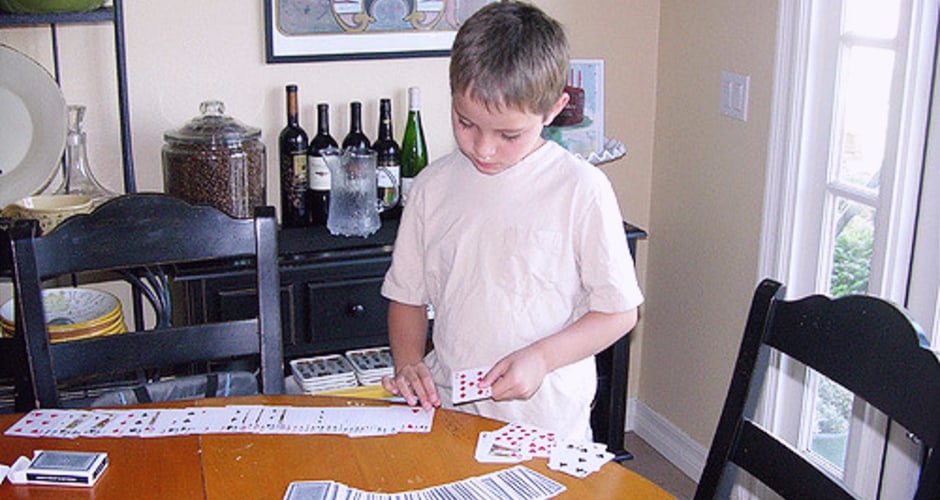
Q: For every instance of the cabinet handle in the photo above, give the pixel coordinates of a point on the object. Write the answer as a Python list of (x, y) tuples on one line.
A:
[(356, 310)]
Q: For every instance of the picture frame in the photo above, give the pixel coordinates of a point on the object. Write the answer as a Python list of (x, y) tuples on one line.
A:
[(579, 128), (333, 30)]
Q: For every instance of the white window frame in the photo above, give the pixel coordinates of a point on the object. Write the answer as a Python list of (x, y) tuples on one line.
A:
[(784, 215)]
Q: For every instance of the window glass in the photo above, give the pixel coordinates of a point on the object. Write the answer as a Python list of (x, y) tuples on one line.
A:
[(874, 18), (866, 94)]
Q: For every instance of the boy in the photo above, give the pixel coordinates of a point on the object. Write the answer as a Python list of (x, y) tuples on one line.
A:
[(517, 244)]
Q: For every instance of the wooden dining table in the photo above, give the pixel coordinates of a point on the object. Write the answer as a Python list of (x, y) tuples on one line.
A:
[(262, 466)]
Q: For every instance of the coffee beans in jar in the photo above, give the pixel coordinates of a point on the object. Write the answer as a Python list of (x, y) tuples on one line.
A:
[(215, 160)]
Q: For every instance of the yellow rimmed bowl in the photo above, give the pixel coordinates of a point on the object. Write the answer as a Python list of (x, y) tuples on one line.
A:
[(73, 313), (49, 210)]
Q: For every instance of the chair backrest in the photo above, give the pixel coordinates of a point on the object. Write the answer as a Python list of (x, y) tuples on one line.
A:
[(142, 238), (12, 362), (867, 345)]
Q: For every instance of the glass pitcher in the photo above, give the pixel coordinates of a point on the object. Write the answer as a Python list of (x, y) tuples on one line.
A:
[(354, 209)]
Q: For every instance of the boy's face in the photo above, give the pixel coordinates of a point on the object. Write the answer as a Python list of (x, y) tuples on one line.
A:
[(495, 140)]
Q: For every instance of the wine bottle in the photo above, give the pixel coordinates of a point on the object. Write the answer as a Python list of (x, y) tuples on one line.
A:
[(414, 152), (292, 147), (389, 159), (318, 191), (355, 138)]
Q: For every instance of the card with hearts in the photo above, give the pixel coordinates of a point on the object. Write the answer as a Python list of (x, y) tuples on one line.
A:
[(489, 452), (465, 386), (529, 440)]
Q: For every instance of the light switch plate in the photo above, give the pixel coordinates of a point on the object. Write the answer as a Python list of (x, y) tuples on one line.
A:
[(734, 91)]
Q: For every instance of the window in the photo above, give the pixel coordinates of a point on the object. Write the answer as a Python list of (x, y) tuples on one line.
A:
[(846, 182)]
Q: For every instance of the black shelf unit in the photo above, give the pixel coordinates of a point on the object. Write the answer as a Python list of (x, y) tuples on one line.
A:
[(113, 14)]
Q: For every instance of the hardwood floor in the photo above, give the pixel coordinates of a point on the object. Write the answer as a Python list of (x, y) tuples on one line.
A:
[(653, 466)]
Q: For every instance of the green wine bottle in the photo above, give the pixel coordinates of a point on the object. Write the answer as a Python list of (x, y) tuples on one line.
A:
[(414, 151)]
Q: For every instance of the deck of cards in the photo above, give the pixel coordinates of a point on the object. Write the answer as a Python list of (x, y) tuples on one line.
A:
[(336, 371), (67, 468), (324, 373), (515, 443), (465, 386), (371, 364)]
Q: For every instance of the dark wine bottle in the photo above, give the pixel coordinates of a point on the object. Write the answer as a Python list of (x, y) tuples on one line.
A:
[(414, 152), (356, 139), (389, 159), (292, 149), (318, 191)]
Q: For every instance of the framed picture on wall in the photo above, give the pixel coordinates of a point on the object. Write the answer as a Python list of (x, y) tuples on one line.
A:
[(331, 30), (580, 126)]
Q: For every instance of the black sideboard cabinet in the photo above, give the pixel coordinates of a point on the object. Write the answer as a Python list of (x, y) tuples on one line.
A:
[(331, 302)]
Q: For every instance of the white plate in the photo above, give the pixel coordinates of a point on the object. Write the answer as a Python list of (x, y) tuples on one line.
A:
[(32, 125)]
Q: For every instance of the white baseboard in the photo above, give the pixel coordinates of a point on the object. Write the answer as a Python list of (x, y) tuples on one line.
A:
[(680, 449)]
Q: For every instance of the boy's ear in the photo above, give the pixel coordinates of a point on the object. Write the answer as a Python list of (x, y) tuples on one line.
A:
[(556, 108)]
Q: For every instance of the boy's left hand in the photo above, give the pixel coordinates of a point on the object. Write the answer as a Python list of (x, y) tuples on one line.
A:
[(517, 376)]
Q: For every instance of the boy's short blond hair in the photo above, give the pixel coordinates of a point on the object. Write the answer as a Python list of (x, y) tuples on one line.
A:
[(510, 54)]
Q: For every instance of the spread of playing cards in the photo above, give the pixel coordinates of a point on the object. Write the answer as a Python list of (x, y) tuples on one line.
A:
[(517, 483), (515, 443), (353, 421)]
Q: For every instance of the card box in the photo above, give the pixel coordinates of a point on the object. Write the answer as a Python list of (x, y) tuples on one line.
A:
[(66, 468)]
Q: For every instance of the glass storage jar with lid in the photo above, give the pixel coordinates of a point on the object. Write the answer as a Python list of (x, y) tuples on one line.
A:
[(216, 160)]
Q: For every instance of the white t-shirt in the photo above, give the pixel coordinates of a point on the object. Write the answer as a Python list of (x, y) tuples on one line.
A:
[(508, 259)]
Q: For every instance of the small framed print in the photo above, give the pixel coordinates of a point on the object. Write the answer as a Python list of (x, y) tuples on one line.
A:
[(580, 126), (330, 30)]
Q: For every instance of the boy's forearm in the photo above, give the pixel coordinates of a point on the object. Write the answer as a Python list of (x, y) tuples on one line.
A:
[(407, 332), (589, 335)]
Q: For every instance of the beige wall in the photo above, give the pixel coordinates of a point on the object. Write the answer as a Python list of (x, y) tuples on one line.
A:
[(698, 191), (707, 194)]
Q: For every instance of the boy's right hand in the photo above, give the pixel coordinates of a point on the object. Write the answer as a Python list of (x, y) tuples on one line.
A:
[(414, 383)]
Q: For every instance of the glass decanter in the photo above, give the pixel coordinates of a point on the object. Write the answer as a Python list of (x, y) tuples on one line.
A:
[(76, 174)]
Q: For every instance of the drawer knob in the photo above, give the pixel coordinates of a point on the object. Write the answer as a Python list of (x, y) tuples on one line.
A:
[(356, 310)]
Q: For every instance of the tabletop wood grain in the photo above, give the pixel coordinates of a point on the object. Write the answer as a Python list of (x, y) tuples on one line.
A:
[(259, 466)]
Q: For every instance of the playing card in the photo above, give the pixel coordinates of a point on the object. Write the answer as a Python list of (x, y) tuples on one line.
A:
[(170, 422), (465, 385), (489, 452), (310, 490), (409, 418), (127, 423), (578, 458), (529, 440), (37, 423)]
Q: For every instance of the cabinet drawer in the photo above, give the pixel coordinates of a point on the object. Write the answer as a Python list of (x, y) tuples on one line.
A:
[(346, 314)]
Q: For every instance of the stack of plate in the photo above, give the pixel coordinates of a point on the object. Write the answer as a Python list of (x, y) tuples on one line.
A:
[(73, 314), (371, 364), (324, 373)]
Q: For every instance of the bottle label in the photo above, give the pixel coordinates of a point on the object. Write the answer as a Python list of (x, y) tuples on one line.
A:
[(319, 174), (405, 187), (300, 170), (388, 175)]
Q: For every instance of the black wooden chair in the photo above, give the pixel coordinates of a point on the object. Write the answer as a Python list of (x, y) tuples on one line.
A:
[(867, 345), (13, 374), (142, 238)]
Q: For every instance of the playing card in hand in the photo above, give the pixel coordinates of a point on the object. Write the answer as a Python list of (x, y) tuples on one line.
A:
[(465, 386)]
